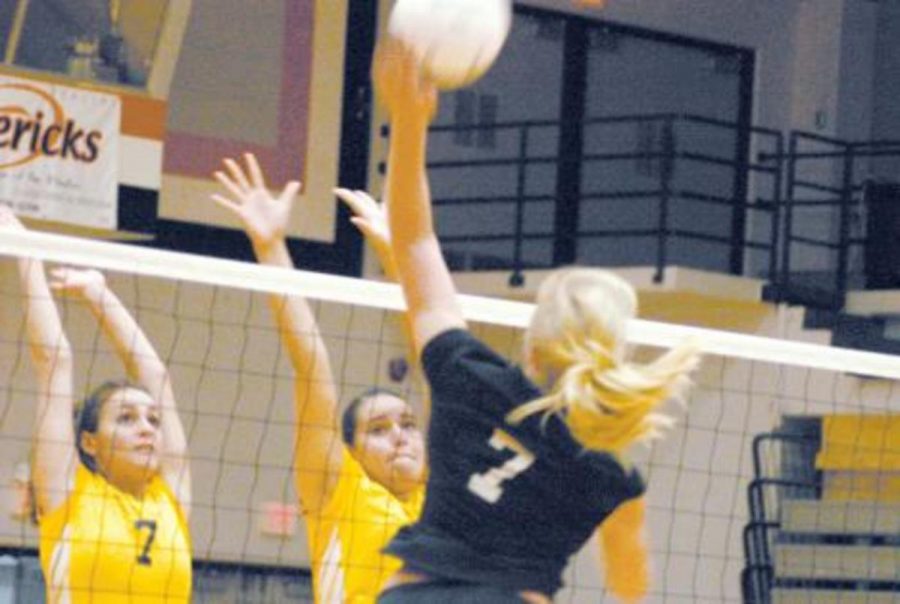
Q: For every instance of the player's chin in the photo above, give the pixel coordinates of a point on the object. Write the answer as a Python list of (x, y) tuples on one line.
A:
[(407, 467), (147, 461)]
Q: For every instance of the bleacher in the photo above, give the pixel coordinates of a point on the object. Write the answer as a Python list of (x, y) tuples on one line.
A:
[(832, 535)]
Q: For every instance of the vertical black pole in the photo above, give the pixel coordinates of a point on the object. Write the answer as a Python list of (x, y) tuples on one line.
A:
[(666, 173), (741, 173), (785, 281), (572, 113), (353, 166), (844, 228), (778, 167), (517, 279)]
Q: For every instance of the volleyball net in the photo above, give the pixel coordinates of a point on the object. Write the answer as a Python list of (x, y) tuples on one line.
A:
[(780, 481)]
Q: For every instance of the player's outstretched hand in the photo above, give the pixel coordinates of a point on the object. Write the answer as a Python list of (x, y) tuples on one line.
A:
[(263, 216), (400, 84), (370, 218), (85, 284)]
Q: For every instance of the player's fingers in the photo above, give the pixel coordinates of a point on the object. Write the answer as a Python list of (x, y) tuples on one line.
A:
[(60, 277), (229, 184), (387, 66), (226, 203), (349, 198), (256, 175), (236, 173), (290, 190), (367, 200), (364, 227)]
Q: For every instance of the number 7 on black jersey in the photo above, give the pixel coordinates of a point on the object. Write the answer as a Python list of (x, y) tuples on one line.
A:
[(489, 485)]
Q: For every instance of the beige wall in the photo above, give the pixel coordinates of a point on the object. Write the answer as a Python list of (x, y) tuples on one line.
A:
[(228, 77), (225, 86), (134, 18)]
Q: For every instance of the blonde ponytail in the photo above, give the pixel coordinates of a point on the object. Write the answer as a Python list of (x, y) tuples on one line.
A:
[(577, 342)]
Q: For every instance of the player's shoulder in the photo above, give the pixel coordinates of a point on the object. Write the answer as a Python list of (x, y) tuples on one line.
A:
[(460, 366), (619, 474), (456, 345)]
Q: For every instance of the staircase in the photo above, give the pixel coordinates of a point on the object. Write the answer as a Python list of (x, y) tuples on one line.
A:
[(801, 548)]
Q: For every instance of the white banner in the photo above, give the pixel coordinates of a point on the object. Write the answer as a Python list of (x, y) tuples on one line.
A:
[(59, 152)]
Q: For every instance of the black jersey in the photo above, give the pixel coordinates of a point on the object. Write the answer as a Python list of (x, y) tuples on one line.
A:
[(506, 504)]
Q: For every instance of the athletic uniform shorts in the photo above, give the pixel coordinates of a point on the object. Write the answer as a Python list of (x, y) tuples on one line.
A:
[(448, 592)]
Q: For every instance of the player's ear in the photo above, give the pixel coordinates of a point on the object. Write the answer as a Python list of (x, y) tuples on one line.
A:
[(88, 443)]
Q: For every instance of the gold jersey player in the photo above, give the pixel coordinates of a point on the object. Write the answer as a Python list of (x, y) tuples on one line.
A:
[(112, 491), (359, 480), (526, 465)]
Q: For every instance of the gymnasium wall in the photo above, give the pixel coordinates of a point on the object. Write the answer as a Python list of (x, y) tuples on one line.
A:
[(815, 70), (807, 54), (265, 78), (886, 112), (799, 46)]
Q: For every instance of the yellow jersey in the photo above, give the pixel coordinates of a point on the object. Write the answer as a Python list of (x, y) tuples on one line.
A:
[(105, 546), (347, 535)]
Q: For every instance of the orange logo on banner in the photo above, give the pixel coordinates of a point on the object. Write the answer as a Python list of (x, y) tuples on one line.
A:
[(25, 137)]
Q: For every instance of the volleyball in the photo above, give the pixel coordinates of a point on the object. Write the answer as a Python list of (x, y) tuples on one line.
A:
[(457, 41)]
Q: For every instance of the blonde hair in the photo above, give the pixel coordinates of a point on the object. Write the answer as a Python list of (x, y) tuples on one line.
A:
[(577, 342)]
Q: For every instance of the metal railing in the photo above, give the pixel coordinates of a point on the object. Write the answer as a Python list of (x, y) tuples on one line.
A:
[(758, 576), (824, 186), (795, 211), (678, 171), (518, 198)]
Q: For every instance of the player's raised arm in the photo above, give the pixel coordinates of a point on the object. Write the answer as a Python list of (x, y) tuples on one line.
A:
[(264, 217), (411, 102), (143, 366), (53, 462)]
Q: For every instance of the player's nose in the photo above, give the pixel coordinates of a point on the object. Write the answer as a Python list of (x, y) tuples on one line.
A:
[(399, 435)]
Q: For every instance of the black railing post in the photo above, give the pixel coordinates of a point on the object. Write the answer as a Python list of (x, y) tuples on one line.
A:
[(517, 279), (785, 280), (666, 172), (739, 199), (844, 229), (756, 502), (758, 574), (571, 142), (776, 217)]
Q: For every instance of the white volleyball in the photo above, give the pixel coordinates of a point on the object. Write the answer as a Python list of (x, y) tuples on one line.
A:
[(456, 40)]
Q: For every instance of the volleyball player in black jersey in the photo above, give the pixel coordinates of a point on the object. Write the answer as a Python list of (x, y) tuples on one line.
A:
[(525, 465)]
